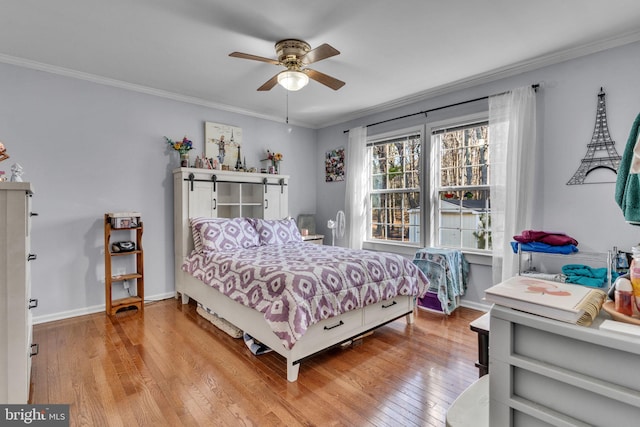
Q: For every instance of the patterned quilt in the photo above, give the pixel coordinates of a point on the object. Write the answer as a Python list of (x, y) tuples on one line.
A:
[(299, 284)]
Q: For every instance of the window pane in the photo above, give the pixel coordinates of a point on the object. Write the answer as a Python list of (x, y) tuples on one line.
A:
[(464, 216), (396, 178), (379, 182), (450, 237), (413, 180)]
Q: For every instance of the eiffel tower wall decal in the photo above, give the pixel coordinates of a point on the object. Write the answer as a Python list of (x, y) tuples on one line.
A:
[(601, 151)]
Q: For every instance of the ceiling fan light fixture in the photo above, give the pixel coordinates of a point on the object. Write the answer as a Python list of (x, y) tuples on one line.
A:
[(293, 80)]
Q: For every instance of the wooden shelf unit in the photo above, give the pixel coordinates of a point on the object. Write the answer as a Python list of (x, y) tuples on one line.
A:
[(113, 306)]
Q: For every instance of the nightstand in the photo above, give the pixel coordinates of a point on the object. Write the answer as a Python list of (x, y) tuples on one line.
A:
[(318, 239)]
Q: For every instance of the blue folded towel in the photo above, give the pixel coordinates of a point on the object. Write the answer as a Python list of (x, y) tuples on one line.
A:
[(543, 247), (587, 276)]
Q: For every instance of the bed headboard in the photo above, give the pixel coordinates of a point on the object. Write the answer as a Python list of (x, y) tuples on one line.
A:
[(223, 194)]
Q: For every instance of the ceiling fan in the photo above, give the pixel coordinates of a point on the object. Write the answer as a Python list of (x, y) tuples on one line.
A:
[(295, 55)]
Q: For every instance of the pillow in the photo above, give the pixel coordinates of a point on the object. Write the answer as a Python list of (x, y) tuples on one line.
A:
[(195, 233), (223, 234), (277, 232)]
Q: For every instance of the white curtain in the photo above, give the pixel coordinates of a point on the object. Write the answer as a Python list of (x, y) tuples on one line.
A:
[(356, 180), (512, 129)]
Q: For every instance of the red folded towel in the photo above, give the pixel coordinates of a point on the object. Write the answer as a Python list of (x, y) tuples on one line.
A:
[(554, 239)]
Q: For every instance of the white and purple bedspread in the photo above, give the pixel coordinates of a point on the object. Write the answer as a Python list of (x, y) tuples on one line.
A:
[(299, 284)]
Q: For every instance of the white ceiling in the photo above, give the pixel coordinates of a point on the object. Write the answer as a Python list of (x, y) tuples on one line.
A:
[(392, 52)]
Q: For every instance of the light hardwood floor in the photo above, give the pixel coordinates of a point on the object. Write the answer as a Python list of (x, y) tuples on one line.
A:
[(170, 367)]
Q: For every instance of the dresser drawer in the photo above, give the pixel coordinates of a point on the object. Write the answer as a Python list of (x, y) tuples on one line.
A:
[(387, 310)]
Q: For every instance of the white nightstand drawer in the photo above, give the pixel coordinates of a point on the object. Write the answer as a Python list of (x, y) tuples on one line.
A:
[(318, 239)]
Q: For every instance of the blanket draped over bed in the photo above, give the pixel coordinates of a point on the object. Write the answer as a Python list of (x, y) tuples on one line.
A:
[(299, 284)]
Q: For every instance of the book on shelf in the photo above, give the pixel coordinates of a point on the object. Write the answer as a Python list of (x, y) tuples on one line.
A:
[(560, 301)]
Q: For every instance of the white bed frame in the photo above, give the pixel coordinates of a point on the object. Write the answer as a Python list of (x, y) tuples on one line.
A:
[(319, 337)]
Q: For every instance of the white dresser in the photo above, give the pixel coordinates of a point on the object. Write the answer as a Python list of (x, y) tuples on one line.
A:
[(16, 348), (544, 372)]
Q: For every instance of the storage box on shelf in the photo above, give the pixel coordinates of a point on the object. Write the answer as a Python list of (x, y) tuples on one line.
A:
[(119, 227), (551, 263)]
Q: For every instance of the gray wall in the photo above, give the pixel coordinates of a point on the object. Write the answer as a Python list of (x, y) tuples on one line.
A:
[(89, 149), (566, 115)]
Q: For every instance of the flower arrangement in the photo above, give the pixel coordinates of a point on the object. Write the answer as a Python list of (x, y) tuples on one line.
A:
[(274, 157), (182, 147)]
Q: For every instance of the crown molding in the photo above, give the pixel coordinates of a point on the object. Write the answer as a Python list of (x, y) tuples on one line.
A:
[(66, 72), (476, 80), (497, 74)]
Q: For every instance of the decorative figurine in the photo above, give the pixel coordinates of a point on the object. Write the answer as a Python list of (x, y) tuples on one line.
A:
[(16, 173)]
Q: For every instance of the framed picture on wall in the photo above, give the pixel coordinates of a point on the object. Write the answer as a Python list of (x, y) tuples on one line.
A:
[(222, 142), (334, 165)]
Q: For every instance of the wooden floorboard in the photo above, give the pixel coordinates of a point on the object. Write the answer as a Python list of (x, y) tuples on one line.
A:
[(170, 367)]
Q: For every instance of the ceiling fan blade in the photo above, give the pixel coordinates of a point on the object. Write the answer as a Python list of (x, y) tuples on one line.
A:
[(269, 84), (325, 79), (321, 52), (254, 57)]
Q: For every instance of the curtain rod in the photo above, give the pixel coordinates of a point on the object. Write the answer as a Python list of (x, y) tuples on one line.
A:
[(534, 86)]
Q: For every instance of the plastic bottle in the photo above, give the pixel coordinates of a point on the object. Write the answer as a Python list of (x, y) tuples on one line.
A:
[(634, 274), (624, 296)]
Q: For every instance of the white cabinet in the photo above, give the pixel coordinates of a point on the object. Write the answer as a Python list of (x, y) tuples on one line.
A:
[(276, 201), (230, 194), (544, 372), (16, 348)]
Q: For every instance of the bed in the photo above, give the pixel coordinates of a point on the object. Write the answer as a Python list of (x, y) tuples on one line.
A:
[(260, 276)]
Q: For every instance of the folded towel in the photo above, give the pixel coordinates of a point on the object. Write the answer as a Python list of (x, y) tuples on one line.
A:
[(554, 239), (587, 276), (627, 194), (543, 247)]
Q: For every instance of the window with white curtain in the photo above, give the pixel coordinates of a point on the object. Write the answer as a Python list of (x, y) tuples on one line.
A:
[(460, 201)]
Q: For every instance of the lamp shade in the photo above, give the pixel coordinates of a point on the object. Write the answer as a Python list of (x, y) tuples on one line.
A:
[(293, 80)]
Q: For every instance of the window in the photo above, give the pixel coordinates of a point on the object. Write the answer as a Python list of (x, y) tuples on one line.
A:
[(394, 193), (442, 200), (461, 202)]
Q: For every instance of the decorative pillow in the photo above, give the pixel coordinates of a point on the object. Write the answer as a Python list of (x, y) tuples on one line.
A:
[(223, 234), (195, 233), (277, 232)]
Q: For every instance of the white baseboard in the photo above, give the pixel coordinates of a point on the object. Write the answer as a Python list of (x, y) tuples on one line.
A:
[(90, 310), (475, 305), (101, 308)]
